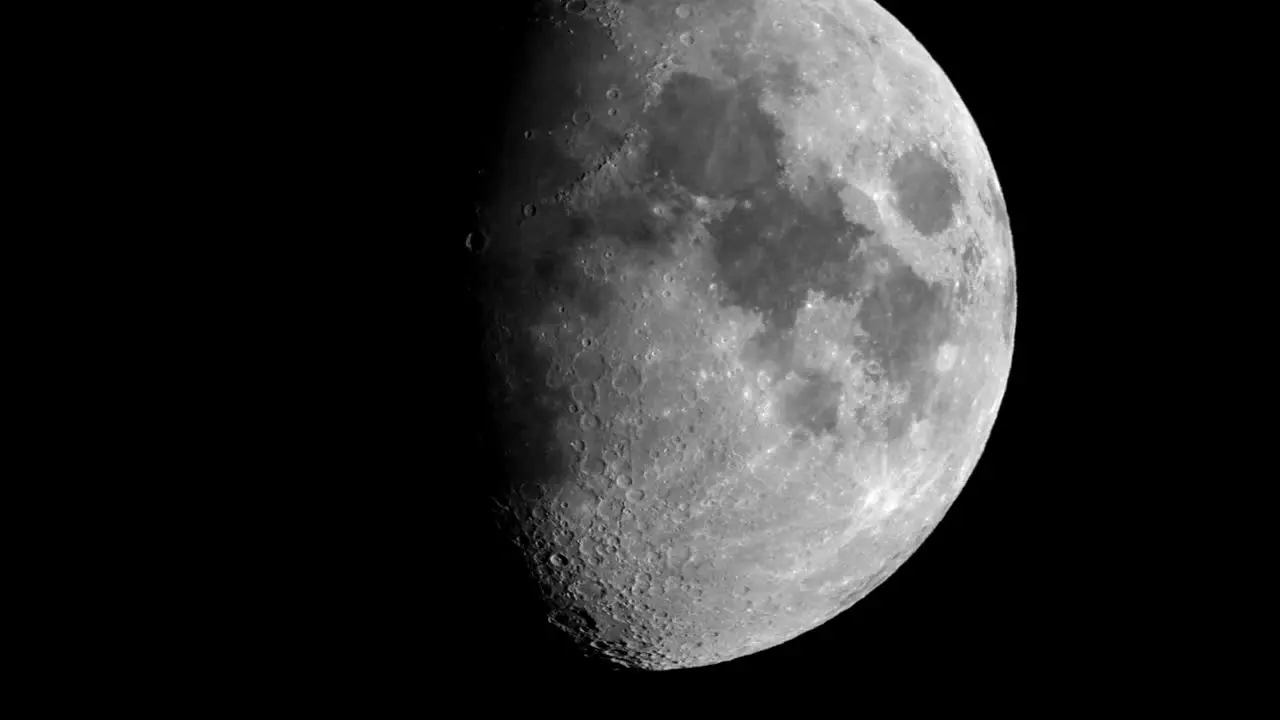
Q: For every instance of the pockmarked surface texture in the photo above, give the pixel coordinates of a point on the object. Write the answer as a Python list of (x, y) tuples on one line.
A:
[(751, 301)]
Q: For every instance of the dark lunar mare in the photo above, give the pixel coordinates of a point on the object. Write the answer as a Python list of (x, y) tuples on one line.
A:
[(927, 192), (906, 319), (815, 406), (775, 246)]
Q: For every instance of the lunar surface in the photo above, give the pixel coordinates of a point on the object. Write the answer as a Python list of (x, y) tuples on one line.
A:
[(750, 301)]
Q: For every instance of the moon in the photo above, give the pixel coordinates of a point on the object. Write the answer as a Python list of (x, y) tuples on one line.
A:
[(750, 302)]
